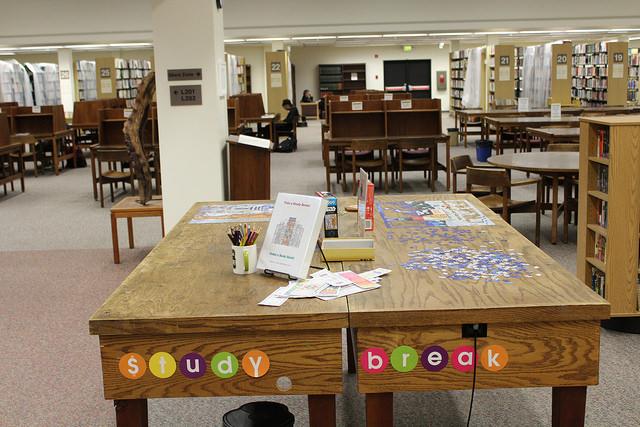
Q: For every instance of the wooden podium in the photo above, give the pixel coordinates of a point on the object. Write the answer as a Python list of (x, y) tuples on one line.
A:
[(249, 171)]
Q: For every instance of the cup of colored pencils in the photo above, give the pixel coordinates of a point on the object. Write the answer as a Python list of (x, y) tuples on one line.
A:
[(244, 251)]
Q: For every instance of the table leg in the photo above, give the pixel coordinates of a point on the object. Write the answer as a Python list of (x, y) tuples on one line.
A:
[(434, 167), (554, 211), (21, 165), (568, 406), (131, 413), (466, 131), (498, 139), (54, 147), (114, 239), (379, 409), (130, 230), (322, 410), (351, 352), (448, 164), (93, 175), (566, 212)]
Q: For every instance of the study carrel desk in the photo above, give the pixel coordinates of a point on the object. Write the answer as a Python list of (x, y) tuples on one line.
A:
[(548, 323), (184, 298)]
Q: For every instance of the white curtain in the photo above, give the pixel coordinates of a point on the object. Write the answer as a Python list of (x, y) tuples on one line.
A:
[(87, 89), (38, 83), (51, 83), (473, 79), (537, 75), (233, 84)]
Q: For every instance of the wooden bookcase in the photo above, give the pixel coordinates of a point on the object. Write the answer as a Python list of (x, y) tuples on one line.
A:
[(518, 70), (634, 76), (457, 71), (619, 224), (561, 57), (117, 77), (339, 78), (600, 73)]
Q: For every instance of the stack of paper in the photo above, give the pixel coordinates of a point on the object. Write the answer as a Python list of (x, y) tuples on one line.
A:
[(327, 285)]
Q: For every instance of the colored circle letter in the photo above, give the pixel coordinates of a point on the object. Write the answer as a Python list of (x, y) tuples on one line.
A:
[(192, 365), (494, 358), (404, 358), (434, 358), (224, 365), (374, 360), (255, 363), (162, 365), (463, 358), (132, 366)]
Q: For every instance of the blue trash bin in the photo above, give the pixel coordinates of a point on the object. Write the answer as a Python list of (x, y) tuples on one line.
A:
[(483, 149)]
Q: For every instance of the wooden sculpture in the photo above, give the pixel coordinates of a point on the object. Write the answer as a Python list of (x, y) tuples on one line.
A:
[(134, 135)]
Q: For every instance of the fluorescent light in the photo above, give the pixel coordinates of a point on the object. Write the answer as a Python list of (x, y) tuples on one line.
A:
[(482, 33), (314, 38), (7, 53), (634, 38), (586, 31), (234, 40), (39, 47), (268, 39), (541, 32), (129, 44), (406, 35), (361, 36), (618, 30), (86, 46), (449, 34), (440, 45)]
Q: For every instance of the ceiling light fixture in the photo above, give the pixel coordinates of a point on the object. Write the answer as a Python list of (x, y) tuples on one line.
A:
[(634, 38), (406, 35), (449, 34), (314, 38), (39, 47), (487, 33), (269, 39), (587, 31), (140, 44), (361, 36), (86, 46), (234, 40)]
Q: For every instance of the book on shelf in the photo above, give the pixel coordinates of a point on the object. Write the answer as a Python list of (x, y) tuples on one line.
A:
[(597, 281), (602, 148), (600, 248), (602, 180), (603, 213)]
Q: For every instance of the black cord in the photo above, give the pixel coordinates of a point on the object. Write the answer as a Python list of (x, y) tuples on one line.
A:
[(322, 253), (475, 366)]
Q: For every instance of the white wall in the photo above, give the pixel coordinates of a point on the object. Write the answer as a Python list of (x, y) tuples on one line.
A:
[(306, 60)]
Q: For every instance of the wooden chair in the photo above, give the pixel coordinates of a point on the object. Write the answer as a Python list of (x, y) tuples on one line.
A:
[(292, 133), (32, 155), (502, 203), (112, 175), (414, 156), (459, 165), (371, 163), (570, 203)]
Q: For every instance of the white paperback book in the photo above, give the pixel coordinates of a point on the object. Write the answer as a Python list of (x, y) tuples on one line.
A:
[(253, 141), (292, 234)]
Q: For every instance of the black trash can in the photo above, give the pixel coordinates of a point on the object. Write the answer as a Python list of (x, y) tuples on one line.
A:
[(259, 414)]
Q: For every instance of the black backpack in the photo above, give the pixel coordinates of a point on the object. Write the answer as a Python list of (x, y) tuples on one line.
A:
[(286, 146)]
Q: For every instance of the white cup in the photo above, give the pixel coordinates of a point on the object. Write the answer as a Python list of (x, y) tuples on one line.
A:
[(244, 259)]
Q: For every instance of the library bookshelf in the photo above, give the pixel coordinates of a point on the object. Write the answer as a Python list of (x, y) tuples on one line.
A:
[(600, 73), (634, 74), (340, 79), (502, 83), (457, 71), (609, 210)]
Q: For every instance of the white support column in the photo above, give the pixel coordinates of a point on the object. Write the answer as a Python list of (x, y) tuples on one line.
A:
[(67, 84), (189, 34)]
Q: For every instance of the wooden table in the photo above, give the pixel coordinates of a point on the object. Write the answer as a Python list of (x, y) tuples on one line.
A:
[(269, 119), (552, 164), (183, 298), (521, 123), (129, 208), (548, 323), (553, 135), (431, 141)]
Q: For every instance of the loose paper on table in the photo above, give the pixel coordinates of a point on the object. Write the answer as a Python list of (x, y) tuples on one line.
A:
[(244, 212)]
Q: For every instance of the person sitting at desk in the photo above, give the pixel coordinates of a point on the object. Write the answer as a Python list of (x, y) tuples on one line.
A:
[(287, 124), (306, 96)]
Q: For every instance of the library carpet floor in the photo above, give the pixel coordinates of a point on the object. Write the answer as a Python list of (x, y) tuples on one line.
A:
[(56, 269)]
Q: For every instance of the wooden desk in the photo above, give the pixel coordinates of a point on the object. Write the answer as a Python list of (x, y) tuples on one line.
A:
[(249, 171), (555, 165), (184, 298), (310, 110), (548, 323), (129, 208), (521, 123), (269, 119), (553, 136)]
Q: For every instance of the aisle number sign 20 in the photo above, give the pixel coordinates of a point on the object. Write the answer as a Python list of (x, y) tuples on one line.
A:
[(255, 363)]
